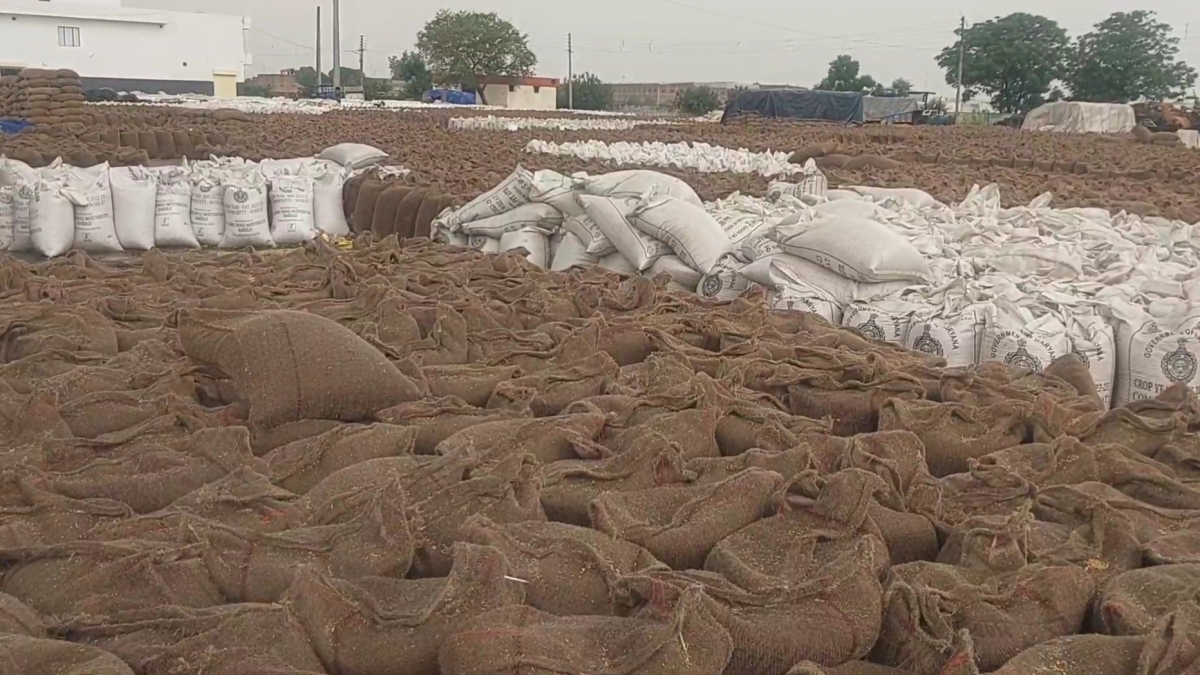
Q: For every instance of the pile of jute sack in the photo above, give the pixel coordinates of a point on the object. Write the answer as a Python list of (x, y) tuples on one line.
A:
[(226, 203), (970, 282)]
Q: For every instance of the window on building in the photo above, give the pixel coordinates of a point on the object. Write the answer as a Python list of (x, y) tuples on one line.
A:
[(68, 36), (537, 90), (512, 87)]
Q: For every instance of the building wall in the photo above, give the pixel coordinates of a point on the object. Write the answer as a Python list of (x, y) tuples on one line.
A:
[(521, 96), (117, 43), (661, 95)]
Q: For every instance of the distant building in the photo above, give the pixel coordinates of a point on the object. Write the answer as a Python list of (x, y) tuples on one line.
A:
[(124, 48), (282, 83), (662, 94), (534, 93)]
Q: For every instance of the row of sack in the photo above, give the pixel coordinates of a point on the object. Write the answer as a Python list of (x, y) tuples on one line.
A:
[(828, 257), (227, 203)]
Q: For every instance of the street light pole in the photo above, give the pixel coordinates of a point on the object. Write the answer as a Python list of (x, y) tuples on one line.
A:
[(337, 45)]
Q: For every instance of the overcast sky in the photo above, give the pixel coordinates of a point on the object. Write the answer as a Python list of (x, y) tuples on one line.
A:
[(770, 41)]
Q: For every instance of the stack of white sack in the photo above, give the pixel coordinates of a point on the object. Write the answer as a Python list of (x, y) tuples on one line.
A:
[(626, 221), (221, 202)]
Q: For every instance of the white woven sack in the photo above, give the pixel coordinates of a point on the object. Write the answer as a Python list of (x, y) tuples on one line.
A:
[(506, 196), (1015, 337), (329, 214), (1093, 340), (742, 227), (273, 168), (24, 209), (636, 183), (8, 217), (811, 188), (52, 220), (793, 298), (615, 262), (856, 248), (571, 253), (535, 242), (612, 217), (907, 196), (133, 192), (208, 209), (483, 243), (834, 285), (885, 320), (585, 228), (441, 232), (835, 194), (246, 219), (541, 216), (354, 156), (557, 190), (291, 200), (173, 212), (1153, 354), (953, 334), (95, 227), (680, 272), (851, 208), (14, 172), (724, 282), (691, 233)]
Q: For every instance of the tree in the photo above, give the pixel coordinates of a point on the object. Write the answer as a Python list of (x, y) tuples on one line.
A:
[(306, 77), (1130, 55), (901, 86), (252, 89), (843, 76), (697, 100), (460, 46), (588, 93), (1013, 59), (351, 77), (411, 69), (377, 89)]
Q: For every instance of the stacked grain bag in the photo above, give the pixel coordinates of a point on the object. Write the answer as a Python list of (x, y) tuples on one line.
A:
[(47, 97), (8, 95)]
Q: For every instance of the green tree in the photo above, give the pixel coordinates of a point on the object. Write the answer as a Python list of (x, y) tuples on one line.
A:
[(251, 89), (844, 75), (411, 69), (461, 46), (697, 100), (377, 89), (901, 86), (588, 93), (1013, 59), (351, 77), (1130, 55), (306, 77)]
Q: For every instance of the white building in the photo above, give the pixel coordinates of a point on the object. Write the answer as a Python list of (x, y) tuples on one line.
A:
[(529, 93), (125, 48)]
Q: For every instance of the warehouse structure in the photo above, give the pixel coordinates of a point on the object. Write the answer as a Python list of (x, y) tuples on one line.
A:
[(127, 49)]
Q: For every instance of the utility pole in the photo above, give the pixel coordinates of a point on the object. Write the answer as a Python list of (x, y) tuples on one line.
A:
[(570, 75), (362, 72), (318, 50), (337, 46), (962, 46)]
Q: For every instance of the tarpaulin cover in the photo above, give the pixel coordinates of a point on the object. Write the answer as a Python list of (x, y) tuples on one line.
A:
[(1079, 117), (801, 104), (877, 108)]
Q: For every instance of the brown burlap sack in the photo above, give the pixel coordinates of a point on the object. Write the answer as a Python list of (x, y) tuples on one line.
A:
[(383, 218), (568, 570), (473, 384), (661, 373), (853, 406), (551, 390), (366, 199), (96, 578), (377, 626), (152, 477), (818, 520), (241, 499), (505, 493), (694, 431), (251, 566), (926, 604), (1131, 603), (225, 640), (17, 619), (445, 342), (671, 634), (299, 466), (830, 616), (404, 222), (897, 457), (46, 327), (569, 486), (21, 654), (35, 517), (264, 440), (680, 525), (547, 440), (294, 365), (952, 433), (788, 464), (438, 419)]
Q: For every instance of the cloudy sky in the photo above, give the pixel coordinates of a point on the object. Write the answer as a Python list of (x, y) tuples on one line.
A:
[(773, 41)]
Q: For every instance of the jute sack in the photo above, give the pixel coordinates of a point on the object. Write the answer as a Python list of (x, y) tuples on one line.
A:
[(241, 639), (295, 365), (546, 440), (17, 619), (555, 389), (440, 418), (300, 465), (680, 525), (1132, 602), (20, 654), (669, 633), (568, 570), (378, 626), (954, 434)]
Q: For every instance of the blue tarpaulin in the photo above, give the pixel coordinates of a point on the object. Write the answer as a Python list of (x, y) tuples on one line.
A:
[(453, 96), (12, 126)]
